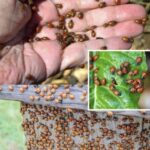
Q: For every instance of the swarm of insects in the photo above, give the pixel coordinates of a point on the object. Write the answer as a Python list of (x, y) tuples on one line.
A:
[(70, 125), (136, 83)]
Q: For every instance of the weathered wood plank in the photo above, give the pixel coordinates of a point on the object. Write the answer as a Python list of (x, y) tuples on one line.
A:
[(15, 95)]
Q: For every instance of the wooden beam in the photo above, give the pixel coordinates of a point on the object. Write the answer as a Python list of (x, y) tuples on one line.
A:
[(16, 95)]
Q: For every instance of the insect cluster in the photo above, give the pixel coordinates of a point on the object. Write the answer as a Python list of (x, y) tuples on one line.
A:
[(68, 37), (56, 128), (66, 24), (53, 93), (136, 83)]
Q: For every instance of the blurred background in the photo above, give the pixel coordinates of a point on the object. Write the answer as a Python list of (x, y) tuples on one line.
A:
[(143, 41), (11, 133)]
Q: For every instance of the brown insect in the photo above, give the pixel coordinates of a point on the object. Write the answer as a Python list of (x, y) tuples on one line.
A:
[(45, 38), (38, 29), (102, 5), (31, 98), (124, 70), (91, 66), (59, 6), (112, 23), (96, 70), (117, 2), (93, 33), (129, 81), (37, 90), (126, 64), (145, 20), (104, 48), (116, 92), (30, 77), (80, 15), (95, 57), (103, 81), (132, 90), (105, 25), (135, 72), (114, 81), (139, 21), (11, 88), (119, 72), (71, 24), (112, 70), (131, 73), (112, 87), (144, 75), (71, 96), (71, 13), (126, 39), (97, 82), (21, 90), (140, 90), (139, 60)]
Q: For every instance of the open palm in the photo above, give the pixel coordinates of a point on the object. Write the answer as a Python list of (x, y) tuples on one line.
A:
[(26, 59)]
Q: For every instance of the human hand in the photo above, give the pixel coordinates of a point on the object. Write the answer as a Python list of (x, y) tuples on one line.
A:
[(26, 61)]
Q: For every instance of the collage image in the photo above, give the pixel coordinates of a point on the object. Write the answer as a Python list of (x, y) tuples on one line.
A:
[(75, 75)]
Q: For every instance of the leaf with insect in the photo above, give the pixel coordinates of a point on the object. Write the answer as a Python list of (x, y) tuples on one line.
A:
[(101, 97)]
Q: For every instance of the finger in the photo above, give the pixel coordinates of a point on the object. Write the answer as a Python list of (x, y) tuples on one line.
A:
[(68, 5), (12, 65), (99, 17), (35, 69), (30, 63), (128, 29), (76, 54), (45, 12), (21, 65), (51, 53)]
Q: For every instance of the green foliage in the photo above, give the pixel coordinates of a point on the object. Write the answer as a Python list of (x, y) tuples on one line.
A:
[(101, 97), (11, 133)]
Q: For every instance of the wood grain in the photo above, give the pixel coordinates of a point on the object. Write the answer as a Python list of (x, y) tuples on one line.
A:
[(15, 95)]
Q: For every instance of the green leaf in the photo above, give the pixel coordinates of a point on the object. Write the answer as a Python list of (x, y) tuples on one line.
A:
[(101, 97)]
